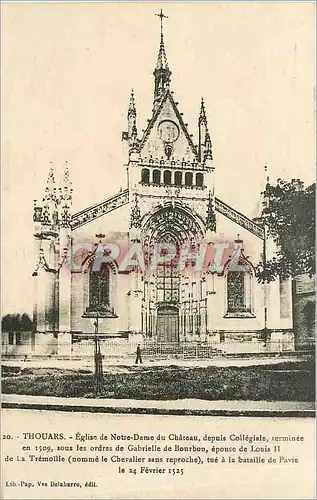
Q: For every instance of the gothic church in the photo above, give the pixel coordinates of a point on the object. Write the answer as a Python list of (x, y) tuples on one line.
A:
[(170, 199)]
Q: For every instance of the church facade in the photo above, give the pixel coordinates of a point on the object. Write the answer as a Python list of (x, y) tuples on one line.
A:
[(164, 261)]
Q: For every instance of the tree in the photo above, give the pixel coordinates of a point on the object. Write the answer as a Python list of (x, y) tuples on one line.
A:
[(289, 216)]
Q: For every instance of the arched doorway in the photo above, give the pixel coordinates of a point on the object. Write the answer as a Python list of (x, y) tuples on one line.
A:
[(168, 298)]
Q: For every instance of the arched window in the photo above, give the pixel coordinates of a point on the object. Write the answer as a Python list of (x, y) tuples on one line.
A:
[(167, 177), (156, 177), (199, 180), (178, 178), (145, 176), (236, 292), (188, 179), (99, 289), (240, 290)]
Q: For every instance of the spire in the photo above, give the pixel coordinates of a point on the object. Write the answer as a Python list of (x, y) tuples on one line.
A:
[(202, 113), (205, 144), (132, 108), (50, 189), (66, 192), (50, 198), (51, 177), (162, 72), (132, 134), (132, 128), (211, 214), (66, 180), (162, 59), (44, 214)]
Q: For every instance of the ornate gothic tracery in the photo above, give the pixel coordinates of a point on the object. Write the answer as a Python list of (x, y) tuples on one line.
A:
[(174, 299), (178, 221)]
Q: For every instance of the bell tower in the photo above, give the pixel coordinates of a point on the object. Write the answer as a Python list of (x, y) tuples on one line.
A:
[(165, 166)]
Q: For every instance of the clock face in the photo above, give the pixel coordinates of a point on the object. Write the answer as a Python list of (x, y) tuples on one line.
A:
[(168, 131)]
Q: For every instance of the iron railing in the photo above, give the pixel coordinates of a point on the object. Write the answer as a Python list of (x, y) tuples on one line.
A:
[(150, 350)]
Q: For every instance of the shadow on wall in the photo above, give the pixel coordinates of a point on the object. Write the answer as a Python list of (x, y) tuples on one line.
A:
[(305, 321)]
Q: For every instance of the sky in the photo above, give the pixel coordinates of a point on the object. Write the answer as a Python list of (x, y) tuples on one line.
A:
[(68, 70)]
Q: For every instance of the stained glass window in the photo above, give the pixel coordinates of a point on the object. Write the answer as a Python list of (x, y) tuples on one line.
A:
[(236, 292), (99, 296), (167, 284)]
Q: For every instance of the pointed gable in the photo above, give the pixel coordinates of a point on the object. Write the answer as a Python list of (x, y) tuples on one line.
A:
[(154, 141)]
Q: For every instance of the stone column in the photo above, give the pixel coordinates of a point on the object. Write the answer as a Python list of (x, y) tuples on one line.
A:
[(210, 292), (64, 299)]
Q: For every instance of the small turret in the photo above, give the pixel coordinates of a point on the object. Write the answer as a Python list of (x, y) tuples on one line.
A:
[(45, 217), (46, 232)]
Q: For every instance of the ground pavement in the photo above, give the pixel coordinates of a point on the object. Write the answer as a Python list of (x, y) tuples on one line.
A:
[(175, 407), (115, 364)]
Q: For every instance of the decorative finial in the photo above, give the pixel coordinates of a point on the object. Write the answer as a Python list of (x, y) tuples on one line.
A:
[(238, 239), (211, 224), (66, 173), (100, 236), (202, 113), (65, 192), (135, 220), (50, 190), (132, 108), (51, 178)]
